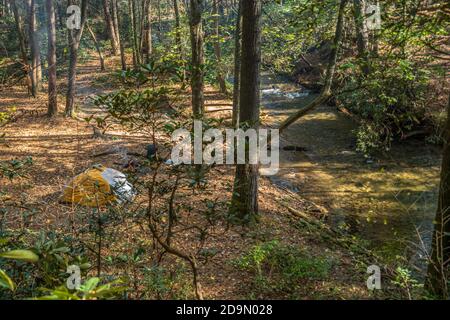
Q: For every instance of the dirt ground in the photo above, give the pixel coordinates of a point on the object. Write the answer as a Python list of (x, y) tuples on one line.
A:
[(62, 148)]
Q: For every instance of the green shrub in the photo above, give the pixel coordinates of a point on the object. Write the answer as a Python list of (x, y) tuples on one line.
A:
[(278, 267), (390, 101), (162, 283)]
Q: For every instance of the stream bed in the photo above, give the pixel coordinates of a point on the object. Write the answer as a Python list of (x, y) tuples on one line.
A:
[(388, 202)]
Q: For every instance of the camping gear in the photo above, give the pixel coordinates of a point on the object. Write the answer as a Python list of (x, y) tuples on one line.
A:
[(99, 186)]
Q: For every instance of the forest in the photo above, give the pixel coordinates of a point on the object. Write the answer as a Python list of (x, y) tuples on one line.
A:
[(224, 150)]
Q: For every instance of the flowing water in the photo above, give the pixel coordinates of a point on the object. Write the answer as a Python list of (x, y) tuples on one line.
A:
[(387, 201)]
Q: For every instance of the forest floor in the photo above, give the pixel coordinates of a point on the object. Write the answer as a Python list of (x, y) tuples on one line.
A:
[(62, 148)]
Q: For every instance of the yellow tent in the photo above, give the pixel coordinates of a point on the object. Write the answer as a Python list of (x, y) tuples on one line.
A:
[(98, 186)]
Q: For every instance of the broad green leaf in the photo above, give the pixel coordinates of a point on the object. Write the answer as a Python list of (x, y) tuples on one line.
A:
[(90, 284), (22, 255), (6, 282)]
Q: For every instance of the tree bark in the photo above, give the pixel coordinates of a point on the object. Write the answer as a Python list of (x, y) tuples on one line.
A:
[(438, 268), (22, 45), (110, 27), (74, 43), (197, 77), (237, 66), (115, 13), (217, 49), (244, 203), (136, 54), (178, 28), (148, 31), (20, 33), (362, 37), (160, 32), (326, 91), (35, 70), (51, 57)]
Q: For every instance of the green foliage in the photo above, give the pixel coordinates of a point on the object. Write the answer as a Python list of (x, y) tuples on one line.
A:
[(44, 265), (162, 283), (147, 111), (409, 286), (19, 255), (6, 282), (7, 116), (391, 102), (167, 69), (281, 268), (289, 30), (90, 290), (15, 168)]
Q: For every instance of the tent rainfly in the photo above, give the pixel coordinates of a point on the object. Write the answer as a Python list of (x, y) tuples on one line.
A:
[(99, 186)]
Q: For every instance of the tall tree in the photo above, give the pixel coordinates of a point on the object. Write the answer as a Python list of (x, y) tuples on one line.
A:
[(74, 44), (110, 27), (362, 36), (20, 33), (177, 26), (244, 203), (439, 266), (237, 66), (51, 57), (36, 68), (197, 77), (160, 28), (326, 93), (148, 31), (217, 48), (115, 13), (22, 45), (134, 34)]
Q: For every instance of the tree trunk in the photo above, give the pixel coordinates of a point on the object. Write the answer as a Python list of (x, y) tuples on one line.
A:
[(362, 37), (375, 36), (326, 91), (20, 33), (136, 54), (217, 49), (197, 81), (115, 12), (237, 66), (35, 70), (148, 31), (115, 20), (74, 43), (110, 27), (51, 32), (160, 35), (438, 268), (244, 203), (178, 28), (22, 46), (97, 47)]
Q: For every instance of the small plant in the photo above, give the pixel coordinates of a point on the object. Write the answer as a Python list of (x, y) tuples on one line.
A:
[(18, 255), (15, 168), (44, 265), (90, 290), (278, 267), (404, 280), (162, 283)]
